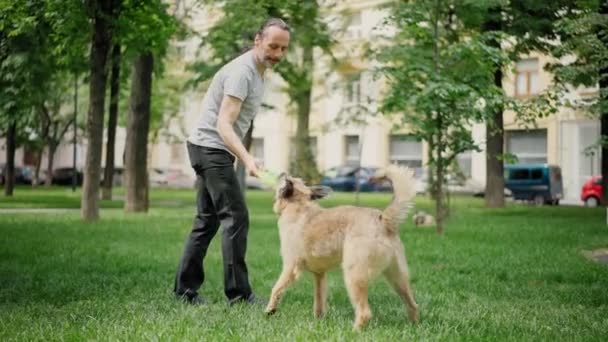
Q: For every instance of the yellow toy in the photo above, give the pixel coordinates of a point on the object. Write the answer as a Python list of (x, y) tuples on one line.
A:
[(269, 178)]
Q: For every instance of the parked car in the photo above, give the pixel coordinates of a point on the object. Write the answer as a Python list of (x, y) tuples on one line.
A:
[(116, 178), (172, 178), (346, 178), (452, 185), (591, 192), (17, 174), (22, 175), (28, 173), (64, 175), (537, 183)]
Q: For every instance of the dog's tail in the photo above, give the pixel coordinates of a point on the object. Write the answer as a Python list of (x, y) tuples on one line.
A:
[(404, 188)]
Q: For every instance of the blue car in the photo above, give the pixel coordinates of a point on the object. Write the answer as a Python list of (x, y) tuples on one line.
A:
[(536, 183), (346, 178)]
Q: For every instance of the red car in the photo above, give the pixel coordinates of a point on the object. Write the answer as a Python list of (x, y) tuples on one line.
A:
[(591, 191)]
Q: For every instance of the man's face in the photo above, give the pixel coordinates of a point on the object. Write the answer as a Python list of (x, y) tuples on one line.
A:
[(271, 46)]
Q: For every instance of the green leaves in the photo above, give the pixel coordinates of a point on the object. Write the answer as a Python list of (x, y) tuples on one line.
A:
[(583, 56), (144, 26)]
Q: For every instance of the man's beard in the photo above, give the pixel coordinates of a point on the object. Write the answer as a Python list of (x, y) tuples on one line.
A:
[(268, 63)]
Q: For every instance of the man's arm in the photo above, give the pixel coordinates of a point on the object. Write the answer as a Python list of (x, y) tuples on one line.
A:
[(229, 112)]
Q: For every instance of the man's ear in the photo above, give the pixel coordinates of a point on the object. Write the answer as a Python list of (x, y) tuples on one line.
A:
[(285, 186), (319, 191)]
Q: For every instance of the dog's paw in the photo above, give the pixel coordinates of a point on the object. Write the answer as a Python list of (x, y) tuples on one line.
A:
[(414, 317), (270, 311)]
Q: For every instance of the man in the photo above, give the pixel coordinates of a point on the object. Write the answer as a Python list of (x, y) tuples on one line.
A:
[(229, 106)]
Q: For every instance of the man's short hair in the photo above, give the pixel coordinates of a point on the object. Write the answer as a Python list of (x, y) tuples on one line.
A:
[(273, 22)]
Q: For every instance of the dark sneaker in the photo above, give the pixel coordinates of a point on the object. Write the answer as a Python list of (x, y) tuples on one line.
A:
[(252, 299)]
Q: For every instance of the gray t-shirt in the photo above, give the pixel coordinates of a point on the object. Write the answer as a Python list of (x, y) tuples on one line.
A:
[(241, 79)]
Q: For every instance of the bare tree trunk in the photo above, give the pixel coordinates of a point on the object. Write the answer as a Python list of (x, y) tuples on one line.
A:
[(100, 46), (305, 165), (495, 182), (138, 125), (108, 177), (11, 146)]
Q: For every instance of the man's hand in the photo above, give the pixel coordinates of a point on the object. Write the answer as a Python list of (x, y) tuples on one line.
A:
[(252, 167)]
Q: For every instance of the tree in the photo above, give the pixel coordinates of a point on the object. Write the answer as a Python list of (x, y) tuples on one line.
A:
[(236, 30), (527, 26), (24, 71), (136, 152), (101, 12), (495, 182), (39, 49), (54, 122), (441, 79), (583, 54), (144, 29)]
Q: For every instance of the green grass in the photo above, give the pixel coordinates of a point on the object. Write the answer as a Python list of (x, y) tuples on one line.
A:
[(512, 274)]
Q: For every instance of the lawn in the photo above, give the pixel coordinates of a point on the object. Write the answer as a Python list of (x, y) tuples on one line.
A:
[(512, 274)]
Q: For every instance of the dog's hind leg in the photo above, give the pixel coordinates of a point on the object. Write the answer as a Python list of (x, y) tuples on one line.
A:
[(287, 277), (398, 276), (357, 284), (320, 306)]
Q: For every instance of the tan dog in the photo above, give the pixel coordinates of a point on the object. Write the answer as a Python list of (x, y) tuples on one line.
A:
[(364, 240)]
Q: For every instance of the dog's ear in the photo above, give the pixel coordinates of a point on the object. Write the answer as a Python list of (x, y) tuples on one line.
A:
[(285, 187), (319, 191)]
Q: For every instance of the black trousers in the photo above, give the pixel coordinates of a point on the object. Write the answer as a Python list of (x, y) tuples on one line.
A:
[(219, 202)]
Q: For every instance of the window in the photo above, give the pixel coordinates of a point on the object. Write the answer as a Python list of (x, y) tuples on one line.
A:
[(520, 174), (353, 90), (351, 144), (406, 150), (536, 174), (354, 28), (530, 147), (526, 77), (257, 149)]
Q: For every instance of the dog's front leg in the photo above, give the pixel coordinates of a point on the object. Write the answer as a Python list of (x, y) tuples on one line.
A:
[(287, 277), (320, 306)]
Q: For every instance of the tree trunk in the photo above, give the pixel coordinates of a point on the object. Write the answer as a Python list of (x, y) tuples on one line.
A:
[(49, 168), (36, 178), (495, 182), (9, 172), (431, 181), (45, 119), (108, 177), (138, 125), (100, 46), (439, 181), (305, 165)]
